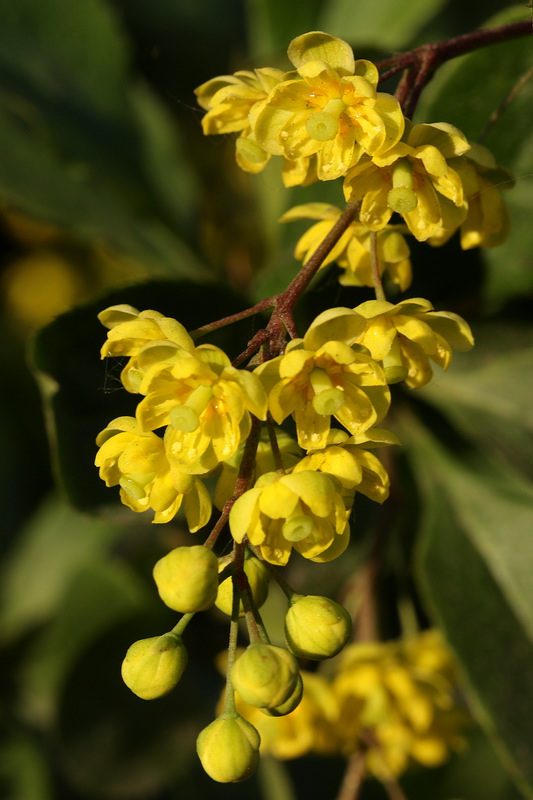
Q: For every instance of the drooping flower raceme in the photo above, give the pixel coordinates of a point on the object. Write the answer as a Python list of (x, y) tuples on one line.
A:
[(414, 179), (402, 693), (330, 108), (305, 511), (137, 461), (352, 252)]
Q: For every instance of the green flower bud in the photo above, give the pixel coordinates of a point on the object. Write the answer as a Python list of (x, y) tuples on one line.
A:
[(187, 578), (258, 578), (317, 627), (290, 704), (152, 667), (265, 676), (229, 749)]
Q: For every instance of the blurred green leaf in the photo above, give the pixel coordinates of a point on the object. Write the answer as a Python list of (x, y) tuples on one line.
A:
[(99, 595), (465, 92), (487, 394), (24, 771), (83, 147), (476, 559), (384, 24), (271, 28), (56, 542)]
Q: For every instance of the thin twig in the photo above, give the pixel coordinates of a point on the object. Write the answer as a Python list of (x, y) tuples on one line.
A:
[(496, 114), (353, 777)]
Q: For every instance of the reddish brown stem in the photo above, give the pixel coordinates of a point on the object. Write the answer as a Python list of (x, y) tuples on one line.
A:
[(242, 483), (423, 61)]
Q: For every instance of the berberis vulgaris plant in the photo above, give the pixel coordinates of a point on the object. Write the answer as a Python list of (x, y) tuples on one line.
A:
[(276, 445)]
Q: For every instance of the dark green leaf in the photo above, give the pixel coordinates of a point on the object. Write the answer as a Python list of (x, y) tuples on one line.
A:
[(475, 565), (488, 392), (82, 146)]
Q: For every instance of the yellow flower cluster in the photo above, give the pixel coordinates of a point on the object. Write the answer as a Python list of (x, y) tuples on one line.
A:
[(327, 121), (200, 404), (195, 413), (394, 702)]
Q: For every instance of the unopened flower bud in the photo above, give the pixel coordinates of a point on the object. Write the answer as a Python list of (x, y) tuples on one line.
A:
[(152, 667), (258, 579), (187, 578), (317, 627), (229, 749), (265, 676), (290, 704)]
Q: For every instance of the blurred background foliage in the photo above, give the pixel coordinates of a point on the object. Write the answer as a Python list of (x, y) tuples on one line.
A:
[(109, 193)]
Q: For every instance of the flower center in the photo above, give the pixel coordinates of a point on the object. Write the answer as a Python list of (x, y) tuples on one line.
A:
[(324, 125), (134, 485), (297, 528), (328, 398), (401, 197), (393, 365), (186, 417)]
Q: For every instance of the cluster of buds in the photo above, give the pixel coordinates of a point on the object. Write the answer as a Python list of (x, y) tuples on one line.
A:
[(286, 438)]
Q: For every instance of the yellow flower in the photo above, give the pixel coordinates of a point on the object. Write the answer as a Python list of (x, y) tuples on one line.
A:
[(309, 728), (206, 403), (330, 108), (352, 251), (316, 380), (348, 460), (406, 336), (131, 332), (487, 221), (229, 100), (138, 463), (397, 701), (305, 511), (411, 178), (232, 102)]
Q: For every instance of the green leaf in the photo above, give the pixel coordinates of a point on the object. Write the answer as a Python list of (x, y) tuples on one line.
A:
[(98, 597), (24, 771), (271, 28), (487, 394), (82, 146), (56, 542), (381, 23), (475, 563)]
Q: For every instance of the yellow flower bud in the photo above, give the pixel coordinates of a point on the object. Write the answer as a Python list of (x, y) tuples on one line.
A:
[(265, 676), (187, 578), (229, 749), (258, 578), (290, 704), (317, 627), (153, 667)]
